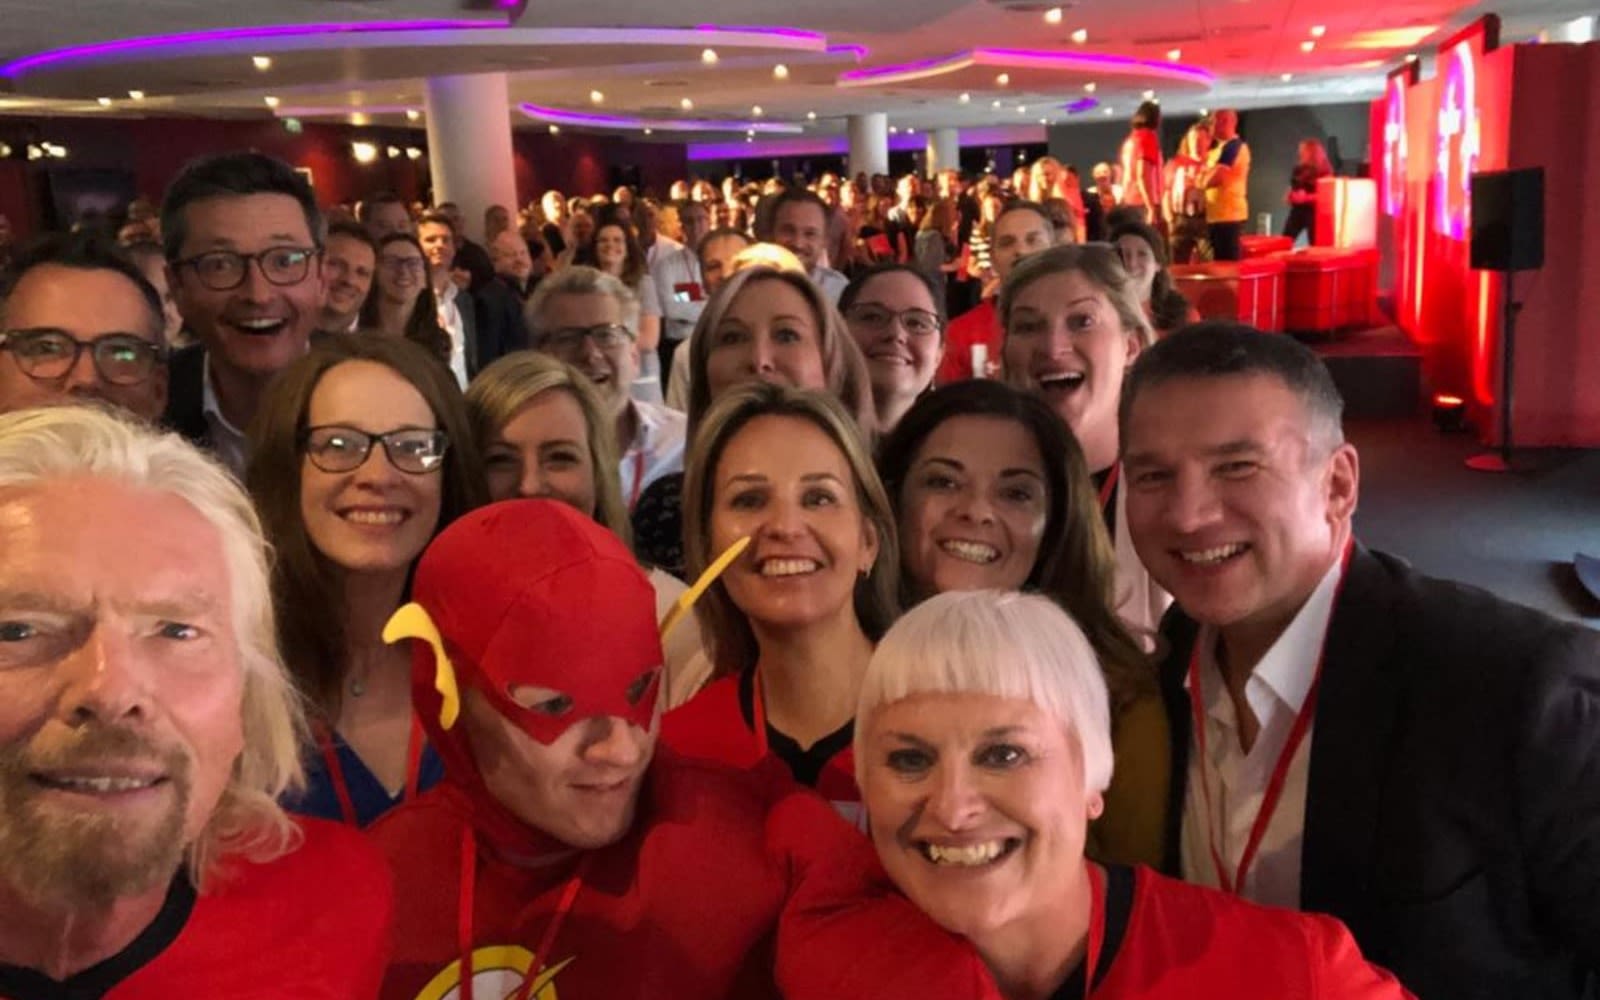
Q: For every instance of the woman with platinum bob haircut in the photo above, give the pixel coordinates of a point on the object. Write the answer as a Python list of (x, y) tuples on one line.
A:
[(983, 750)]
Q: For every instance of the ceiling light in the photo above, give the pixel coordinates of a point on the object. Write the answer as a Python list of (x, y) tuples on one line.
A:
[(649, 131), (394, 152), (1286, 77), (749, 139), (1004, 79), (1307, 46), (1044, 121), (996, 104), (911, 131), (1204, 112), (1174, 54), (780, 72), (709, 57), (894, 130), (1089, 87), (262, 63), (1108, 112), (59, 152), (555, 130), (360, 118), (811, 116), (270, 101), (751, 133), (412, 114), (413, 153), (1317, 31), (1149, 95), (1022, 109), (965, 98), (104, 102), (756, 111), (1052, 16), (365, 152), (5, 151), (137, 95), (1080, 36), (596, 97), (686, 104)]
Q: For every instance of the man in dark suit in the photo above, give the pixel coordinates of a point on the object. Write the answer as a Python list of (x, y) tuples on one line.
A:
[(243, 238), (1413, 756)]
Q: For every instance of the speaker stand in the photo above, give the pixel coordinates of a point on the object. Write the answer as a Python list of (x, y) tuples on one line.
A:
[(1503, 460)]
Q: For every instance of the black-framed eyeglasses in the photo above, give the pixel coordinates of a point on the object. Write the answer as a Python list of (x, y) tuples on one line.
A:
[(413, 450), (876, 319), (47, 354), (225, 270), (568, 340)]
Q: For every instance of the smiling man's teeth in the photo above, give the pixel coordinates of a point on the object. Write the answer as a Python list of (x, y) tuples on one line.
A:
[(1210, 557), (788, 567), (973, 552), (101, 785), (258, 324), (379, 517), (968, 857)]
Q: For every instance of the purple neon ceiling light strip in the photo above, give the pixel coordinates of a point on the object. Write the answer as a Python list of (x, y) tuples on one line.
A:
[(582, 119), (1031, 59), (178, 40)]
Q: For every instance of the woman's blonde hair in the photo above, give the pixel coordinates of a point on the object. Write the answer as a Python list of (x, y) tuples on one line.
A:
[(843, 366), (729, 637), (71, 441), (1100, 263), (501, 391)]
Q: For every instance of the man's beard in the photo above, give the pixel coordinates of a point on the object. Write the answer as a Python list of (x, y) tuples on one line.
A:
[(58, 856)]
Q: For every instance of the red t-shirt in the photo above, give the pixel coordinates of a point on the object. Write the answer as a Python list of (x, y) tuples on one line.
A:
[(729, 885), (312, 925), (1141, 147), (978, 325), (718, 724), (1168, 940)]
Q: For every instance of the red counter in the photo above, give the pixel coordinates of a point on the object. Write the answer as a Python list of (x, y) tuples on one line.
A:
[(1263, 246), (1328, 290), (1249, 291)]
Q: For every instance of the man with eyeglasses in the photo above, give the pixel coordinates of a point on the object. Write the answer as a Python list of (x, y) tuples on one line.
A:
[(589, 319), (243, 238), (81, 323)]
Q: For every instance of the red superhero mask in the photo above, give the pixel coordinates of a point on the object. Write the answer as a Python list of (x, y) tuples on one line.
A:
[(539, 608)]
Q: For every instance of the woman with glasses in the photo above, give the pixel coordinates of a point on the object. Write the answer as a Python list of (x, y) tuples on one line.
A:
[(360, 455), (402, 304), (896, 318)]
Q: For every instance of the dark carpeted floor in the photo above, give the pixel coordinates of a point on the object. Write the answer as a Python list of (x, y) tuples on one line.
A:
[(1513, 534)]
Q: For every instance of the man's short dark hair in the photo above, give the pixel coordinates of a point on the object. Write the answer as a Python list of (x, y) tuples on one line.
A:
[(767, 212), (720, 233), (1024, 205), (85, 251), (370, 205), (354, 231), (434, 217), (1220, 348), (229, 175)]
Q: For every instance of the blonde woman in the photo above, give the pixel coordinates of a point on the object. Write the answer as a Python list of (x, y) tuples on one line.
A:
[(544, 433)]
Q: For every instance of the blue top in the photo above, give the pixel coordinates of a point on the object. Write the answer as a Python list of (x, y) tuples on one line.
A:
[(367, 793)]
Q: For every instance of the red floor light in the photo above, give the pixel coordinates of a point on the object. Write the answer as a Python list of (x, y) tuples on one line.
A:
[(1449, 413)]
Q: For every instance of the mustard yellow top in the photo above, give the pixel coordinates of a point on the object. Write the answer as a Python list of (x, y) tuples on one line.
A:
[(1132, 829)]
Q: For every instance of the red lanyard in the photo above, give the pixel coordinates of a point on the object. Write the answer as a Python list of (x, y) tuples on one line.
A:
[(638, 479), (468, 892), (1097, 928), (341, 788), (1109, 487), (758, 711), (1280, 770)]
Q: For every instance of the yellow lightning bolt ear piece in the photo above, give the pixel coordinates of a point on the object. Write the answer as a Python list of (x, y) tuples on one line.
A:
[(413, 622), (687, 599)]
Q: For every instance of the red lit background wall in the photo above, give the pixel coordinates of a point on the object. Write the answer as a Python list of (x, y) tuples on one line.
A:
[(1512, 107)]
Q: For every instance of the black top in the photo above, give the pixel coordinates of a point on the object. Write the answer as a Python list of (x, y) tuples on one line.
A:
[(1110, 510), (658, 524), (18, 983), (1118, 908), (805, 765)]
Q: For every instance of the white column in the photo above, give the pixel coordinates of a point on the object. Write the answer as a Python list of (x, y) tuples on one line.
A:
[(944, 150), (469, 145), (869, 144), (1578, 30)]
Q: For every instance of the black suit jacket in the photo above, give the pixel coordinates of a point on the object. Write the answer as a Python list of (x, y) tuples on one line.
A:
[(185, 411), (1453, 805)]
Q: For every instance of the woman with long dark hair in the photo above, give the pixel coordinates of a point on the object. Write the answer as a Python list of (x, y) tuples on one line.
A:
[(402, 304)]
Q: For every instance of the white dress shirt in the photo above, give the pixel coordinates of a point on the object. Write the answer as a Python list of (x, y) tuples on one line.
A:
[(680, 292), (831, 282), (657, 448), (450, 319), (1237, 781)]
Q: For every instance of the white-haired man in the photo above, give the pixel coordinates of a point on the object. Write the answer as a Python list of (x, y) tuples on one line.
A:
[(147, 728), (590, 320)]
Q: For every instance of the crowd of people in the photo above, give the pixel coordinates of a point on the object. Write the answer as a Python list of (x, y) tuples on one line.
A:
[(668, 598)]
